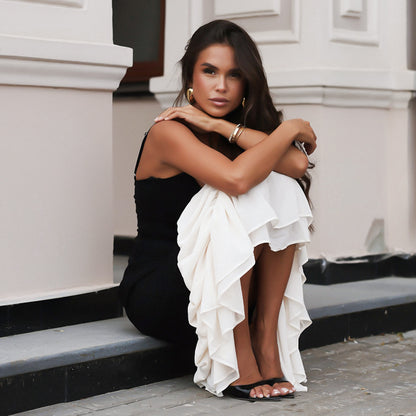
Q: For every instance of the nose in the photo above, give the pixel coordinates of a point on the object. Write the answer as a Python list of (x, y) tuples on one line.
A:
[(221, 84)]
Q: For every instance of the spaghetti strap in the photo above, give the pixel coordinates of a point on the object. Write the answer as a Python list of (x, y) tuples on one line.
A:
[(140, 152)]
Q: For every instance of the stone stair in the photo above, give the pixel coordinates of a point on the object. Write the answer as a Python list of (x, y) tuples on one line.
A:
[(75, 361)]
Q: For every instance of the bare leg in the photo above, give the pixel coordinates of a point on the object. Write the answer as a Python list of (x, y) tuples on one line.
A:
[(272, 272), (247, 364)]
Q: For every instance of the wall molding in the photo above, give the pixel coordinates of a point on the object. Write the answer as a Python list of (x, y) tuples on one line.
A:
[(341, 97), (79, 4), (63, 64), (232, 9), (333, 87), (343, 88), (351, 8)]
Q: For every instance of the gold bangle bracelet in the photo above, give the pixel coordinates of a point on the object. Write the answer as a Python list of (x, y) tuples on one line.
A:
[(239, 133), (231, 139)]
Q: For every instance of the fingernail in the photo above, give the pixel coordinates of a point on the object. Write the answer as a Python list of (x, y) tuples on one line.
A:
[(284, 390), (267, 395), (260, 396), (275, 391)]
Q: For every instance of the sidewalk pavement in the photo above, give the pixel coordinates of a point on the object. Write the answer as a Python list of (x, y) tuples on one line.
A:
[(372, 376)]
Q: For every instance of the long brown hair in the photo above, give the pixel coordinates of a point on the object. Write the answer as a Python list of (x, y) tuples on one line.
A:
[(259, 112)]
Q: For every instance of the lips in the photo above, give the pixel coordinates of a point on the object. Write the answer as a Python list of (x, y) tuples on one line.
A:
[(219, 101)]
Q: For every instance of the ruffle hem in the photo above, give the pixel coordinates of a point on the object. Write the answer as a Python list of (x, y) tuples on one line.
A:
[(216, 235)]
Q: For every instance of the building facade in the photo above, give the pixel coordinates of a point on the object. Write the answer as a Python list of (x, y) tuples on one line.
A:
[(67, 148), (346, 66)]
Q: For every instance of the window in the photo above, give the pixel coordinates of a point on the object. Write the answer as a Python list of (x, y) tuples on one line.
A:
[(140, 24)]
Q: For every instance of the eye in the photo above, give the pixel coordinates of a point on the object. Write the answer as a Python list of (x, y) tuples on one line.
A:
[(236, 74), (209, 71)]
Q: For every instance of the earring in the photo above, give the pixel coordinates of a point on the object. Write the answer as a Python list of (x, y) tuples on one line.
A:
[(243, 103), (190, 95)]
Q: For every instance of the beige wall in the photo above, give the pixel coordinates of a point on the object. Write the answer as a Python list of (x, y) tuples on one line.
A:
[(56, 192), (132, 117), (348, 191)]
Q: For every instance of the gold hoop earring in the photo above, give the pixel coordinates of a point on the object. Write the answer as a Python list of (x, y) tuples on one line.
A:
[(190, 95), (243, 103)]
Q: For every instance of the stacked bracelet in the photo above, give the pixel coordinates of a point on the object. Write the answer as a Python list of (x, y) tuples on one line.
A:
[(235, 135)]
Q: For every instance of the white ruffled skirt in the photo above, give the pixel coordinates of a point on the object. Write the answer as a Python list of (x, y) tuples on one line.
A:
[(216, 236)]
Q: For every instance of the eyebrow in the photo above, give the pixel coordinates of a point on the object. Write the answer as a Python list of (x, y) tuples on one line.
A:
[(208, 65)]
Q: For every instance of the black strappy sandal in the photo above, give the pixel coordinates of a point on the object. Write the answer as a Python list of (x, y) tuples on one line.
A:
[(242, 392)]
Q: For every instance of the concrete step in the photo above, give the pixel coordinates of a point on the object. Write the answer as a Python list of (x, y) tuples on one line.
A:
[(64, 364), (68, 363)]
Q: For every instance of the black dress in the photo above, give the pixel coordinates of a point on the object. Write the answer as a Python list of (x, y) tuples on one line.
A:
[(152, 290)]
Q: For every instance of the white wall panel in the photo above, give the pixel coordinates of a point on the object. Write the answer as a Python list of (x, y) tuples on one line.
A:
[(78, 20), (268, 22), (355, 22)]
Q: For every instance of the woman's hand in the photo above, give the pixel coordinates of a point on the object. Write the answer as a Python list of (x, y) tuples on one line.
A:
[(303, 132), (201, 121)]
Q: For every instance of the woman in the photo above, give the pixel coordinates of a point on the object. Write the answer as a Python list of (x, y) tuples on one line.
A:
[(231, 138)]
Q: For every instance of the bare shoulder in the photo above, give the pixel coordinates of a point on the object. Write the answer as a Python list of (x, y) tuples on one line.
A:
[(169, 132)]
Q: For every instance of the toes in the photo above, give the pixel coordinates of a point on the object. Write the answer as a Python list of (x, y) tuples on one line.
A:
[(261, 391), (282, 390), (254, 392), (276, 391), (267, 390)]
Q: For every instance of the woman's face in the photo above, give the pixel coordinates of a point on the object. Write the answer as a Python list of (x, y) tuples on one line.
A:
[(217, 81)]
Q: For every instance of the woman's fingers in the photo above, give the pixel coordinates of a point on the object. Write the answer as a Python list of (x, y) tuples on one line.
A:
[(172, 112), (175, 112), (308, 137), (190, 114)]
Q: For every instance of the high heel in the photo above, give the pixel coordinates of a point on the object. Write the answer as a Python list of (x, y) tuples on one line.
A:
[(242, 392)]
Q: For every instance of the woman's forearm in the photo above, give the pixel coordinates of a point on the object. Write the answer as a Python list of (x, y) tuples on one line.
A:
[(253, 165), (293, 163), (248, 138)]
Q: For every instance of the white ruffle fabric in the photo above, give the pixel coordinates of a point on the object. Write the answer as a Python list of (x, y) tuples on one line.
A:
[(216, 236)]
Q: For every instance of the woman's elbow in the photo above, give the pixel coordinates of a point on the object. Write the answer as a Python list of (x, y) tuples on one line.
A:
[(237, 185)]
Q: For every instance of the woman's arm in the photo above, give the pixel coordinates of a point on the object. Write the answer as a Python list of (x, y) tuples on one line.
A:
[(177, 147), (293, 163)]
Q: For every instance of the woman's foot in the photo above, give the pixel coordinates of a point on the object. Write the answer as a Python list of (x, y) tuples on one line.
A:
[(247, 392), (249, 375), (267, 357)]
